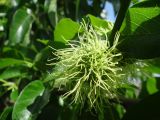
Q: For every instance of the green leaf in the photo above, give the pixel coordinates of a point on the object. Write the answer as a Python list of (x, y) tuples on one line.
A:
[(41, 58), (153, 69), (14, 95), (15, 3), (52, 12), (7, 62), (2, 2), (147, 3), (26, 98), (151, 85), (6, 113), (97, 22), (146, 109), (20, 26), (12, 72), (43, 41), (65, 30), (39, 103), (140, 31)]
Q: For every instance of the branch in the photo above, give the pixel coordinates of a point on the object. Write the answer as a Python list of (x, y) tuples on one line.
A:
[(124, 5)]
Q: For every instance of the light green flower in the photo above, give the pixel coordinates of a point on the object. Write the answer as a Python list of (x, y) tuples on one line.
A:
[(89, 69)]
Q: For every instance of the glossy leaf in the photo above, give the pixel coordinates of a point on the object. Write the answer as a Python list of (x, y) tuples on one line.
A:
[(25, 99), (15, 3), (140, 31), (65, 30), (21, 23), (6, 62), (52, 12)]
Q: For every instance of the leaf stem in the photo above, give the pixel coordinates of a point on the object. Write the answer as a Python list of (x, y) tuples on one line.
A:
[(77, 9)]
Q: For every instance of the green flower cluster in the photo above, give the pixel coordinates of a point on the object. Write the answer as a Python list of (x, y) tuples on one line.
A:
[(90, 70)]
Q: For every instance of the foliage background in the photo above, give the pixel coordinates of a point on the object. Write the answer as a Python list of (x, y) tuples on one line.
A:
[(28, 28)]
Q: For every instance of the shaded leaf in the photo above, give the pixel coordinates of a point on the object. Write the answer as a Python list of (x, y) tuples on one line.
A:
[(39, 103), (146, 109), (12, 73), (51, 110), (140, 31), (21, 23), (148, 3), (5, 115), (26, 98), (41, 58), (6, 62)]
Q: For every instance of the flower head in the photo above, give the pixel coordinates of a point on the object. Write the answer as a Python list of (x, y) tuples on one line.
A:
[(90, 70)]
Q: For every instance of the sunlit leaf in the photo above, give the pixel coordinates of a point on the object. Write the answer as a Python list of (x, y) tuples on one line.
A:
[(97, 22), (65, 30)]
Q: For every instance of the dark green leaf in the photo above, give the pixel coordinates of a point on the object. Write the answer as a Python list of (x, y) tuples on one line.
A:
[(140, 31), (147, 3), (146, 109), (7, 62), (65, 30), (26, 98), (6, 113), (41, 58), (39, 103), (20, 26)]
